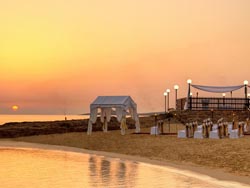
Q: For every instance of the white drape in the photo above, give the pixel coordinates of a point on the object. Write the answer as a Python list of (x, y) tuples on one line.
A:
[(119, 114), (106, 112), (135, 117), (123, 125), (131, 111), (92, 119), (105, 118), (218, 89)]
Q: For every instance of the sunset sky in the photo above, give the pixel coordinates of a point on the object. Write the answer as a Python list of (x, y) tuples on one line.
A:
[(58, 55)]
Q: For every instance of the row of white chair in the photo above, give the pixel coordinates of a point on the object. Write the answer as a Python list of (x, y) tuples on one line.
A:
[(213, 131)]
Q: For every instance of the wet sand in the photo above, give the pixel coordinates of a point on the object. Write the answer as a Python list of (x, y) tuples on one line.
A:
[(193, 171), (224, 159)]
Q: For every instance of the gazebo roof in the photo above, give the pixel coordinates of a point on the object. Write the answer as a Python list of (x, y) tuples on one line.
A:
[(111, 100)]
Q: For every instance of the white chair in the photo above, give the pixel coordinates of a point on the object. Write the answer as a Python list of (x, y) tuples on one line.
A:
[(154, 130), (185, 133), (230, 127), (245, 128), (182, 134), (234, 133), (214, 134), (247, 125), (215, 127), (198, 134)]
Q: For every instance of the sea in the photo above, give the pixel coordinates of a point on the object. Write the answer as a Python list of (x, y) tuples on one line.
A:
[(30, 118)]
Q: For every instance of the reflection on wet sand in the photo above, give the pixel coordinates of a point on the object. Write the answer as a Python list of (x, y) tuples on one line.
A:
[(44, 168), (110, 173)]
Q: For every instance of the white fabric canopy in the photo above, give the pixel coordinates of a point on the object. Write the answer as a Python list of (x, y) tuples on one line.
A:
[(122, 104), (217, 89)]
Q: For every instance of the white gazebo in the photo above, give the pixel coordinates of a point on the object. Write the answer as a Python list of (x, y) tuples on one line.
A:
[(122, 105)]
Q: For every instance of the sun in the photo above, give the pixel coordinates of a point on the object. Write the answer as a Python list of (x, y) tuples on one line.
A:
[(15, 108)]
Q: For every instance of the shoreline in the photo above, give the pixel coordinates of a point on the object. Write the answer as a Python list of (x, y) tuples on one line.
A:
[(193, 170)]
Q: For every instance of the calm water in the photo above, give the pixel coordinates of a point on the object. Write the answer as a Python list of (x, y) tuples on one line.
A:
[(42, 168), (21, 118)]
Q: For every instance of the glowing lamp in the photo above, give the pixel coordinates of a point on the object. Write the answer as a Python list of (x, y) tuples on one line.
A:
[(189, 81)]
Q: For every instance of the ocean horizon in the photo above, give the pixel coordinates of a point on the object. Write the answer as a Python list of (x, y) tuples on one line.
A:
[(7, 118)]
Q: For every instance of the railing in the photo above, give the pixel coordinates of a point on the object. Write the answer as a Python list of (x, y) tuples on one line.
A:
[(218, 103), (204, 103)]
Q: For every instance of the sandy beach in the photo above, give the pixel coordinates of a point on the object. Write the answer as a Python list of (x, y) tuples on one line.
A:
[(224, 159)]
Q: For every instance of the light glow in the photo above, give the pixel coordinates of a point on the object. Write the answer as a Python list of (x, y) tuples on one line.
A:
[(15, 108)]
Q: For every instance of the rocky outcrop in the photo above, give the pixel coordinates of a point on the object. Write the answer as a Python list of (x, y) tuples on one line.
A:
[(19, 129)]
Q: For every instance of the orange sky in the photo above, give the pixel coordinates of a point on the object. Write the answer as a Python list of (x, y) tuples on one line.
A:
[(58, 55)]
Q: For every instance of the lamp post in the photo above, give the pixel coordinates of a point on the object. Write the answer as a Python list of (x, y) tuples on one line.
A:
[(246, 83), (165, 97), (168, 92), (212, 114), (248, 98), (189, 81), (223, 94), (176, 87), (191, 95)]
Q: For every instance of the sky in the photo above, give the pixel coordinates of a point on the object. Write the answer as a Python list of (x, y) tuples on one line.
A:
[(57, 56)]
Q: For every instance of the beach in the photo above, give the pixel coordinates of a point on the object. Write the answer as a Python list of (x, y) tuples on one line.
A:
[(225, 159)]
